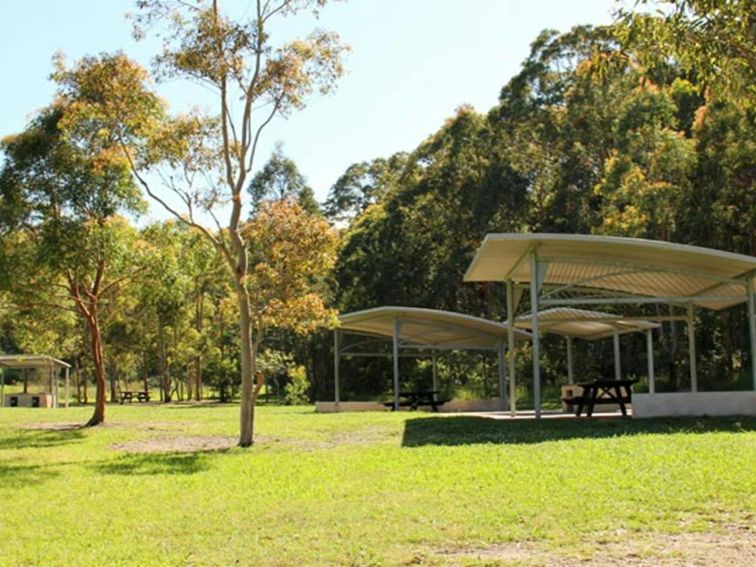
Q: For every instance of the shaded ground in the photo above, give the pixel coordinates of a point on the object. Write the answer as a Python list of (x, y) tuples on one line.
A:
[(177, 444)]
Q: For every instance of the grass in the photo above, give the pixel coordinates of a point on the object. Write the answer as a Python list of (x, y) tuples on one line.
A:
[(362, 489)]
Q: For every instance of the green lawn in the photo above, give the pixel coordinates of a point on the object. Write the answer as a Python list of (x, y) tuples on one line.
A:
[(371, 488)]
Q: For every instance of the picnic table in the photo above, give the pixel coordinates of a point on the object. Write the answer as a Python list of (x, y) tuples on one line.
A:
[(602, 392), (129, 395), (415, 399)]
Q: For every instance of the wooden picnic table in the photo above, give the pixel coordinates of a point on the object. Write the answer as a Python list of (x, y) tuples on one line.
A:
[(129, 395), (415, 399), (600, 392)]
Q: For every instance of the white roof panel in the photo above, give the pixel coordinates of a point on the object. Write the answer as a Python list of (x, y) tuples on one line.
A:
[(584, 324), (632, 266), (31, 361), (430, 327)]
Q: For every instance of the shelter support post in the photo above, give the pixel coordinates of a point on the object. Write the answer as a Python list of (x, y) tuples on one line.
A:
[(68, 385), (752, 326), (336, 357), (2, 387), (511, 349), (395, 352), (692, 350), (56, 376), (617, 360), (502, 379), (650, 361), (534, 292), (434, 368), (570, 373)]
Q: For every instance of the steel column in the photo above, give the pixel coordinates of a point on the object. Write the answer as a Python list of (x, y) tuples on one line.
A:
[(752, 326), (435, 374), (511, 348), (617, 361), (570, 374), (502, 379), (650, 361), (336, 356), (68, 385), (534, 292), (692, 350), (2, 387), (395, 350)]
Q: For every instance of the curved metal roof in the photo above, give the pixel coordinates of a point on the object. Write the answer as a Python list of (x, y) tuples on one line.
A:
[(31, 361), (430, 328), (670, 272), (584, 324)]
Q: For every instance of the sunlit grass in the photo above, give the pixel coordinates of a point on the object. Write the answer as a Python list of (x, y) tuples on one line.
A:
[(370, 488)]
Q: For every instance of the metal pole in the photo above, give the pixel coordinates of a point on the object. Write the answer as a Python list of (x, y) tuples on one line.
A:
[(502, 379), (336, 384), (511, 348), (56, 376), (435, 375), (570, 374), (397, 326), (752, 326), (650, 361), (2, 387), (68, 385), (534, 292), (617, 361), (692, 350)]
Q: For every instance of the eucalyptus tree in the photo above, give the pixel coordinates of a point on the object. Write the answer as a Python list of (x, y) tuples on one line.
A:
[(66, 246), (206, 160), (280, 178)]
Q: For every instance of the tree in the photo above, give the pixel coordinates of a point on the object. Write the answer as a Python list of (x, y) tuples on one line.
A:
[(712, 41), (67, 247), (208, 159), (280, 178)]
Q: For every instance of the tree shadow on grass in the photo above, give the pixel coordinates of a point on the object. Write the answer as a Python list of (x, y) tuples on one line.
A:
[(470, 430), (154, 464), (19, 476), (41, 438)]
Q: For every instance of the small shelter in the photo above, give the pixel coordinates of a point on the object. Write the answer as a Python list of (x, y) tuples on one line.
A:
[(53, 366), (567, 270), (419, 329), (592, 326)]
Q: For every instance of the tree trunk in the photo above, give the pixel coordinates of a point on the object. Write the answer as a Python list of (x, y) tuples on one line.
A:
[(248, 364), (99, 365), (113, 383)]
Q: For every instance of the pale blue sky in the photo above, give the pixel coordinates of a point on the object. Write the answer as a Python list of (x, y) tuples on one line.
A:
[(412, 63)]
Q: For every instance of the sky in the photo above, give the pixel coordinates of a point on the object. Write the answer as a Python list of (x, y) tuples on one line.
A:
[(412, 63)]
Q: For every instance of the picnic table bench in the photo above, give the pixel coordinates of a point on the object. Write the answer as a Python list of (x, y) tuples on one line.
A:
[(129, 395), (601, 392), (415, 399)]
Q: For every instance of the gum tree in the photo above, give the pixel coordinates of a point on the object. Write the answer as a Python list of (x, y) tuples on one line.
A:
[(204, 163)]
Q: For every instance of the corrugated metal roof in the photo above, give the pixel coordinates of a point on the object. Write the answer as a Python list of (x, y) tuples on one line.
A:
[(626, 265), (31, 361), (430, 327), (584, 324)]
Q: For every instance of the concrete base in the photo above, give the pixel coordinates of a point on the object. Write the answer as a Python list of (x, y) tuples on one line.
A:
[(38, 400), (694, 404), (449, 407)]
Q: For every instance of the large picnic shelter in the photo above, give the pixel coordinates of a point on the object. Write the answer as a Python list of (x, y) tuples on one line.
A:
[(569, 271)]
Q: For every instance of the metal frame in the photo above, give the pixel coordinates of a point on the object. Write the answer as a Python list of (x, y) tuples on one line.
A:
[(539, 300), (426, 349)]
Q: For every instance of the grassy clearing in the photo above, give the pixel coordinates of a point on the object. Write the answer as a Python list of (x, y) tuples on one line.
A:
[(373, 488)]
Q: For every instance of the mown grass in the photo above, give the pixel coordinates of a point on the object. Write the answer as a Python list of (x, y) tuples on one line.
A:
[(372, 488)]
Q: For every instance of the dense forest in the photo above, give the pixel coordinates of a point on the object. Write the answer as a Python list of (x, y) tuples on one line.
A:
[(646, 128)]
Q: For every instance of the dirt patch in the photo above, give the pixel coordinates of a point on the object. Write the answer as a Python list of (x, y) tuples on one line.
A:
[(177, 444), (728, 546)]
